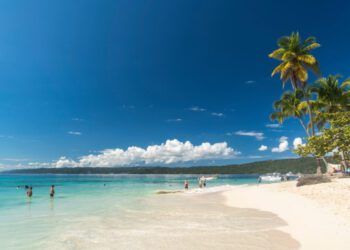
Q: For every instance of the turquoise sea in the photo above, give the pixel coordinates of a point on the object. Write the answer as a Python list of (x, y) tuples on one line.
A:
[(82, 204)]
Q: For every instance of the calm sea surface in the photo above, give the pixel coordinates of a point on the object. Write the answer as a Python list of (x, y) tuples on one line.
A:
[(81, 201)]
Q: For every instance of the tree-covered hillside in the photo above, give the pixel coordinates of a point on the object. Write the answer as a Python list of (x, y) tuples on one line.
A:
[(300, 165)]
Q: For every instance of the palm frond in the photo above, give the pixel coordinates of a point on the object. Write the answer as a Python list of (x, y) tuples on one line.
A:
[(312, 46), (288, 55), (302, 74), (278, 69), (315, 68), (277, 54), (309, 59), (346, 83)]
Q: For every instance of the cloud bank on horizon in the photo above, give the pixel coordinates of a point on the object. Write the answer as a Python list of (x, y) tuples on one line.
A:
[(172, 151)]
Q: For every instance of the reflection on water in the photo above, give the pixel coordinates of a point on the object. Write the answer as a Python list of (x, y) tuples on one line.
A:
[(52, 203)]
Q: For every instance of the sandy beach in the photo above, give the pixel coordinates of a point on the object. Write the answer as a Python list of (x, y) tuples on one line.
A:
[(317, 216), (256, 217)]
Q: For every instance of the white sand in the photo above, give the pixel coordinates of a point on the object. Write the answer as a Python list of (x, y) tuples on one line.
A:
[(318, 216)]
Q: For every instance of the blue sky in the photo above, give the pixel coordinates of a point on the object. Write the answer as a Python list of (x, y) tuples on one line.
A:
[(80, 77)]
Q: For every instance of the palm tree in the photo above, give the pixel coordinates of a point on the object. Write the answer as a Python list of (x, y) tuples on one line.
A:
[(296, 59), (332, 96), (290, 105)]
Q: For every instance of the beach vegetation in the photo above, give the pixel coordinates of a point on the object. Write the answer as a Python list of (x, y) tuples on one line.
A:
[(334, 139), (320, 106)]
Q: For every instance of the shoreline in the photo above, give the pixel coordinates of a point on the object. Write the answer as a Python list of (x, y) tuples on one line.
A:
[(317, 216)]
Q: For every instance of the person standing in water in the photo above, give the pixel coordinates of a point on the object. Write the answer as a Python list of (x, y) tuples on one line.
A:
[(186, 185), (200, 182), (52, 190), (30, 191)]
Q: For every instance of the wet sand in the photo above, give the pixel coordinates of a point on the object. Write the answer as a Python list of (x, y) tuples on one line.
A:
[(179, 221)]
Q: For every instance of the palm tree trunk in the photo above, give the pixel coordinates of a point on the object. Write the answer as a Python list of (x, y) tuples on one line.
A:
[(294, 81), (304, 126), (343, 161), (318, 170), (312, 125), (324, 161)]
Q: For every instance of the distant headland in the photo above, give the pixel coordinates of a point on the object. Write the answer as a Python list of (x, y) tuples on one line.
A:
[(304, 165)]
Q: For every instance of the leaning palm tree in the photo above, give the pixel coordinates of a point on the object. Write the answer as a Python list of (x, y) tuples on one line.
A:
[(290, 105), (296, 59)]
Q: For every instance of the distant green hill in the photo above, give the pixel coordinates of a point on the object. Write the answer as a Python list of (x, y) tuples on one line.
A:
[(299, 165)]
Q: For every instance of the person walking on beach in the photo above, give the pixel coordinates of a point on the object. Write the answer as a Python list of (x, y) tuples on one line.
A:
[(52, 191), (30, 191)]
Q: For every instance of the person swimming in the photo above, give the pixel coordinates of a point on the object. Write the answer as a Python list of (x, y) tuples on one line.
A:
[(30, 191), (52, 190)]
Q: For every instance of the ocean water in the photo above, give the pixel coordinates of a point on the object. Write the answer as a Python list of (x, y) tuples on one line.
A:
[(111, 212)]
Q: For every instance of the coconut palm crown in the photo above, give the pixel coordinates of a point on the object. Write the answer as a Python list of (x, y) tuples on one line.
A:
[(290, 105), (332, 95), (296, 59)]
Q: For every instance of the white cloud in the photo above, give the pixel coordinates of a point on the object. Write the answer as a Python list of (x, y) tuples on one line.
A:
[(74, 133), (175, 120), (263, 148), (76, 119), (217, 114), (40, 164), (258, 135), (273, 125), (197, 109), (283, 146), (172, 151), (65, 162), (298, 142), (250, 82)]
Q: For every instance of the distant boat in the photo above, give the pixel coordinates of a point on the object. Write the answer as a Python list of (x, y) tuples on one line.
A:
[(291, 176), (271, 177), (208, 178)]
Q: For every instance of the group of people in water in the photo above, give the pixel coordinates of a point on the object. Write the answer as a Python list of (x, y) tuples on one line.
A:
[(30, 190), (202, 182)]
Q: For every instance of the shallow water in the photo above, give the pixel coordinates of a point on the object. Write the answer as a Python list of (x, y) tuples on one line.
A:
[(123, 212)]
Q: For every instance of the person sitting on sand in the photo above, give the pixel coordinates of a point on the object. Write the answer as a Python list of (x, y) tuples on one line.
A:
[(186, 185), (52, 190), (30, 191)]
